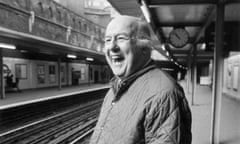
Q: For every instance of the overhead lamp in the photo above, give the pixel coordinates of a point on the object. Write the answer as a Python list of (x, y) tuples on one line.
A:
[(71, 56), (163, 47), (23, 51), (7, 46), (203, 46), (167, 69), (167, 53), (89, 59), (145, 11)]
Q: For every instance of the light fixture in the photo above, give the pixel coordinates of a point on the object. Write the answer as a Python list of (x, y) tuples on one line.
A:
[(167, 53), (23, 51), (7, 46), (145, 11), (71, 56), (163, 47), (89, 59), (203, 46)]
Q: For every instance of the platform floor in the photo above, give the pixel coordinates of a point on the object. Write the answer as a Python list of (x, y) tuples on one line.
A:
[(201, 113), (201, 110)]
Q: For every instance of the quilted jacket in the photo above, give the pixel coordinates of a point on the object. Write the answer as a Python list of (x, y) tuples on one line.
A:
[(148, 107)]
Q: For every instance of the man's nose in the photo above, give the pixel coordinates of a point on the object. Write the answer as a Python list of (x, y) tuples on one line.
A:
[(113, 46)]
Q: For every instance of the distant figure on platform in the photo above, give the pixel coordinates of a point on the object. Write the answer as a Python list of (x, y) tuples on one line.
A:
[(10, 83), (145, 105), (9, 79)]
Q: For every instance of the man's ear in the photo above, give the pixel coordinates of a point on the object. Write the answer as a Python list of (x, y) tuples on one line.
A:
[(144, 45)]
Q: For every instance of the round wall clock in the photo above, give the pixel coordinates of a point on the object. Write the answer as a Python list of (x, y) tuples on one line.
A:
[(178, 37)]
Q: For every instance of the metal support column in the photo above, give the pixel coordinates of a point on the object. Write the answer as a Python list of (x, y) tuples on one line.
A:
[(2, 89), (218, 75), (194, 73), (89, 73), (67, 74), (189, 72), (59, 74)]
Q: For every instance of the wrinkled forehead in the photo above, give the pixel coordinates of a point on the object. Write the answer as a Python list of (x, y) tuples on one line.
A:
[(123, 24)]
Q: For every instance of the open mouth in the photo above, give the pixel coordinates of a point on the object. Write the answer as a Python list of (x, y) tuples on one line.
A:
[(117, 60)]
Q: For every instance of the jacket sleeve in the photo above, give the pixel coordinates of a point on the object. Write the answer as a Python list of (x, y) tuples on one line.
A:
[(162, 119)]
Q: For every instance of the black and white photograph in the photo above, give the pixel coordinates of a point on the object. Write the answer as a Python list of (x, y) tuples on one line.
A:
[(120, 71)]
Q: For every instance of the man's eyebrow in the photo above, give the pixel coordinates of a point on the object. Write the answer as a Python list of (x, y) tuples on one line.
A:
[(123, 33), (107, 36)]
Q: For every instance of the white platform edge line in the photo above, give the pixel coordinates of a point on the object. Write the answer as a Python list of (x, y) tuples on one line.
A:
[(50, 97)]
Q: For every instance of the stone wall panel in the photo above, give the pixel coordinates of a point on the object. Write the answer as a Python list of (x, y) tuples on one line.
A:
[(48, 30), (20, 4), (50, 21), (14, 20)]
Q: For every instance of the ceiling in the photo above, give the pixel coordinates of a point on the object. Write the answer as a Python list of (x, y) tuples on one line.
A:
[(192, 15)]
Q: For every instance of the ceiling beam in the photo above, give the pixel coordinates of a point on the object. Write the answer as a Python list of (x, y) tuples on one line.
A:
[(200, 52), (179, 57), (181, 51), (208, 21), (130, 7), (232, 1), (184, 60), (198, 57), (179, 24), (156, 3)]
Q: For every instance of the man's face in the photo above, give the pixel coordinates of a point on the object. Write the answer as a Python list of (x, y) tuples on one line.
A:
[(120, 47)]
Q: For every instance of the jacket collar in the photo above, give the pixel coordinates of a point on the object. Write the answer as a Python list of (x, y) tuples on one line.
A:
[(119, 86)]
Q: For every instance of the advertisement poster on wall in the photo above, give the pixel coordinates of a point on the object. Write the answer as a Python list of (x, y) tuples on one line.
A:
[(235, 77), (21, 71), (82, 73), (229, 77), (40, 74), (52, 73)]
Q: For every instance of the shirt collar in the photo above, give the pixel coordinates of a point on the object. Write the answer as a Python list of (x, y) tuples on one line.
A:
[(119, 86)]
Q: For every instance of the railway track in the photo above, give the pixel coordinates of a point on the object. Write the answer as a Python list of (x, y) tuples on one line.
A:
[(70, 126), (23, 115)]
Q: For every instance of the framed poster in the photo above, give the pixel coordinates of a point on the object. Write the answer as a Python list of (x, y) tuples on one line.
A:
[(229, 77), (41, 79), (21, 71), (235, 77), (40, 69), (52, 73), (82, 73), (40, 74)]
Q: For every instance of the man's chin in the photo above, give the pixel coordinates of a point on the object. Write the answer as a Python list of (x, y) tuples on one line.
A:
[(118, 73)]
